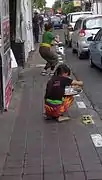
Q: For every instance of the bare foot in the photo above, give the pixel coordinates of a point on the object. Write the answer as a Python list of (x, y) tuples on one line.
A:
[(63, 118)]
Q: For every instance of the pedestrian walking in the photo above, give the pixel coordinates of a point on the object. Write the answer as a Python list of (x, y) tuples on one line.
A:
[(56, 102), (41, 23), (46, 51), (36, 27)]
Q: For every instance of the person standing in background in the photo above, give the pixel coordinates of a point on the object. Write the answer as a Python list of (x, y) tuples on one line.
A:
[(36, 27), (41, 23)]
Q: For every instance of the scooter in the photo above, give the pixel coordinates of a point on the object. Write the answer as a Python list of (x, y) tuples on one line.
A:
[(60, 51)]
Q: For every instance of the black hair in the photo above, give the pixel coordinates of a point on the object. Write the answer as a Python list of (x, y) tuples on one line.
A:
[(48, 26), (63, 68)]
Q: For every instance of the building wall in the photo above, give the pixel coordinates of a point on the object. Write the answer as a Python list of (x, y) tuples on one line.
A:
[(18, 29), (27, 31), (97, 6), (24, 25)]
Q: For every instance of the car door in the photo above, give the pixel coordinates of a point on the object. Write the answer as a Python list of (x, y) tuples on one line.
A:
[(96, 51), (76, 33), (100, 51), (68, 22)]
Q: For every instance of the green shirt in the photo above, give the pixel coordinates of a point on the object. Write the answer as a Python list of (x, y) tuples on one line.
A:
[(47, 37)]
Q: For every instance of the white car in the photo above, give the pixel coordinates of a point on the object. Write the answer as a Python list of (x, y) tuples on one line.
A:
[(84, 28), (71, 20), (45, 20)]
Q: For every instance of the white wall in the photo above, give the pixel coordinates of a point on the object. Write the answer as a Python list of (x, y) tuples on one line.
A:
[(18, 29), (27, 32), (97, 7)]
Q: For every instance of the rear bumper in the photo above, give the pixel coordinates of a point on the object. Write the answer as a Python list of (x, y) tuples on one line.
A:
[(70, 35), (58, 26), (83, 46)]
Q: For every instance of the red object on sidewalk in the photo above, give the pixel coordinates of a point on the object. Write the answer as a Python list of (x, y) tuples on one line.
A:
[(58, 110)]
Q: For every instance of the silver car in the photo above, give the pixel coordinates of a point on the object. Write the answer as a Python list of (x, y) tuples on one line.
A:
[(84, 28), (71, 20), (95, 50)]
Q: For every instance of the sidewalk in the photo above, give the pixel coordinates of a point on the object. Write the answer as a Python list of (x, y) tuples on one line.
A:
[(41, 150)]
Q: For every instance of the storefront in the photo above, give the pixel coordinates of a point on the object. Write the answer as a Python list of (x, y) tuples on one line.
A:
[(22, 35), (16, 41), (5, 59), (27, 30)]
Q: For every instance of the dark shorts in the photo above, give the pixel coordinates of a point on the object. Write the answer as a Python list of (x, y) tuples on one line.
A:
[(48, 55)]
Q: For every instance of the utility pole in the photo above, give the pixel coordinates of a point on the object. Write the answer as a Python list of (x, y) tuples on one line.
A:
[(61, 4)]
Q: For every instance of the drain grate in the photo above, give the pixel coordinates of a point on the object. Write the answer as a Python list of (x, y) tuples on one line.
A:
[(87, 119)]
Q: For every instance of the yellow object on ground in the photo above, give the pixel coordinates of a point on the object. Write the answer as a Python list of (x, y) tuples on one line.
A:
[(87, 119)]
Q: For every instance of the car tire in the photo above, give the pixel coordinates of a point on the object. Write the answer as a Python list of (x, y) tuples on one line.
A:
[(90, 60), (66, 42), (74, 51), (80, 55), (69, 44)]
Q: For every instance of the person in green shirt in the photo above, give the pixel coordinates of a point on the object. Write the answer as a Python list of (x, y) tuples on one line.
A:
[(46, 51)]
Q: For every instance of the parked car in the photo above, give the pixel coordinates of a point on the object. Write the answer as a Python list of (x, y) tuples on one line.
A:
[(57, 22), (84, 28), (95, 50), (45, 20), (71, 20)]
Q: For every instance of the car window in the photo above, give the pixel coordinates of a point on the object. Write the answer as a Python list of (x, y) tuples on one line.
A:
[(68, 19), (75, 17), (98, 36), (78, 25), (93, 23), (55, 19)]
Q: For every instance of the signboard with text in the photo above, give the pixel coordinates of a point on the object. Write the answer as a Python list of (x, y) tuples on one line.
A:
[(77, 3), (5, 54)]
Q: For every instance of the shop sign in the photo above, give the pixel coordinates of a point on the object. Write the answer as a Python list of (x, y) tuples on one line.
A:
[(77, 3), (5, 53)]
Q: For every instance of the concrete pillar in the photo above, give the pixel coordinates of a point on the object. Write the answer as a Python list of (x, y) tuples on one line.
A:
[(27, 32), (18, 29), (97, 6)]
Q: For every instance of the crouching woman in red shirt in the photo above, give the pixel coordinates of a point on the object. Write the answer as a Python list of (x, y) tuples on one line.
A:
[(56, 103)]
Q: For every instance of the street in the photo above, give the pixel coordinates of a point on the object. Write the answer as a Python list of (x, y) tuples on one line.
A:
[(32, 148), (91, 77)]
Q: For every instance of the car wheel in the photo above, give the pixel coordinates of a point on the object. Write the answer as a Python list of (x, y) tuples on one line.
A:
[(90, 60), (66, 42), (69, 44), (80, 55), (74, 51)]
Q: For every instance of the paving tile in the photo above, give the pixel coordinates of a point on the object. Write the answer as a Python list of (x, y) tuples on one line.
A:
[(51, 161), (10, 178), (75, 176), (72, 167), (33, 162), (2, 160), (33, 177), (94, 175), (53, 168), (54, 176), (13, 164), (92, 166), (37, 169), (12, 172)]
